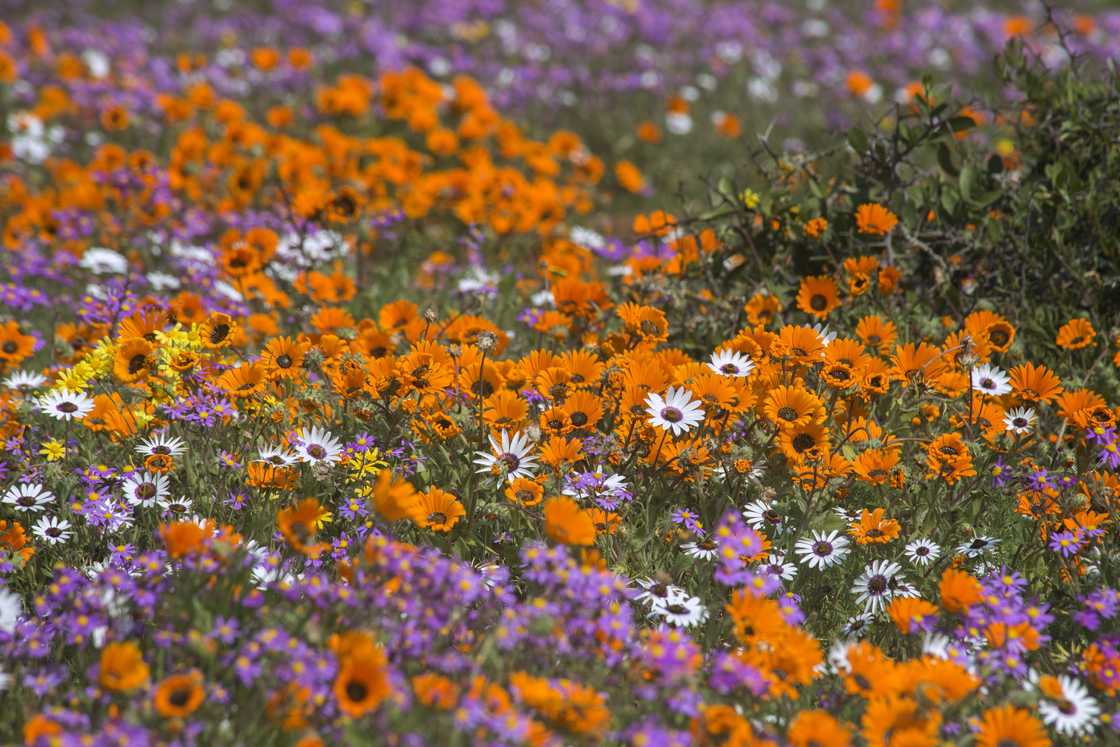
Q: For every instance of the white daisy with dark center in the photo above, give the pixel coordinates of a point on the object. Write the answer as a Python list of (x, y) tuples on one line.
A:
[(510, 454), (161, 443), (976, 547), (318, 446), (731, 363), (762, 516), (877, 585), (29, 496), (65, 405), (25, 381), (822, 550), (682, 612), (658, 592), (922, 552), (52, 530), (990, 380), (701, 549), (1019, 420), (146, 488), (1074, 711), (676, 411)]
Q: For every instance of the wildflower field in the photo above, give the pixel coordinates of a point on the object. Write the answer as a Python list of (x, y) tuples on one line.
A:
[(622, 372)]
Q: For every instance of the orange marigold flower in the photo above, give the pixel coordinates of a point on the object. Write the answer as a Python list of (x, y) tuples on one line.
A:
[(872, 528), (1076, 334), (182, 538), (629, 177), (1008, 725), (397, 499), (14, 345), (122, 667), (817, 728), (818, 296), (441, 510), (816, 227), (568, 524), (299, 524), (363, 681), (1035, 383), (911, 613), (872, 218), (179, 695), (959, 590), (525, 492), (947, 457)]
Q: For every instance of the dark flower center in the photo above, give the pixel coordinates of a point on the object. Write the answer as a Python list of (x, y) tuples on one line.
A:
[(510, 461), (671, 415), (729, 369), (877, 584), (356, 691), (823, 549), (284, 361), (579, 419), (818, 302), (803, 442), (437, 518), (179, 697), (10, 346), (316, 451), (787, 413), (218, 333)]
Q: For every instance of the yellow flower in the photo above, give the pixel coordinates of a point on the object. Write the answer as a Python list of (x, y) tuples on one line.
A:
[(52, 450), (750, 198)]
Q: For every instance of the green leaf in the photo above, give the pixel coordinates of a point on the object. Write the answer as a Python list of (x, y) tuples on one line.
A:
[(945, 160), (967, 181), (857, 138), (961, 124)]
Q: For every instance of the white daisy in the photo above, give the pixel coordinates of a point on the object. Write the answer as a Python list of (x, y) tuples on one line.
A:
[(731, 363), (775, 564), (145, 488), (683, 612), (278, 456), (11, 610), (838, 655), (990, 380), (676, 411), (935, 644), (701, 549), (657, 592), (52, 530), (976, 547), (922, 552), (824, 333), (179, 507), (509, 454), (318, 446), (821, 550), (876, 586), (857, 625), (25, 381), (103, 261), (161, 443), (29, 496), (762, 516), (1019, 420), (1076, 712), (65, 405)]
